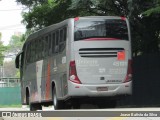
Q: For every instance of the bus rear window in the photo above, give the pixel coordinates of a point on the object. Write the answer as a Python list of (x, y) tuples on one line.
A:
[(106, 28)]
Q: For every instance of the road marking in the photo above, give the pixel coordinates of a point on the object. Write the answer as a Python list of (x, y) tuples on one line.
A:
[(55, 118), (118, 118)]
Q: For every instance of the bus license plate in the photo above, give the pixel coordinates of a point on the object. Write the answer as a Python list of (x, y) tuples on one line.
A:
[(102, 89)]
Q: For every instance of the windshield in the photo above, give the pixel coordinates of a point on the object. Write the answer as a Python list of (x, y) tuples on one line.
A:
[(108, 28)]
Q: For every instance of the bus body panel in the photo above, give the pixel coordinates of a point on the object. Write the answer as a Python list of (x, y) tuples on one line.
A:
[(97, 61), (87, 90)]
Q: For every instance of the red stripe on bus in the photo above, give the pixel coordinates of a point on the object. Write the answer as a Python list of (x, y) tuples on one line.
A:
[(48, 83)]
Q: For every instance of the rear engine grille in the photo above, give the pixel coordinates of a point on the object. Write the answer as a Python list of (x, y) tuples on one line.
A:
[(99, 52)]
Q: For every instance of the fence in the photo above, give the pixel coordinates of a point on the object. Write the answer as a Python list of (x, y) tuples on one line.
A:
[(10, 91), (9, 82)]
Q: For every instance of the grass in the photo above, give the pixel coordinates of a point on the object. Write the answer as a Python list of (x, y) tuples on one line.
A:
[(11, 106)]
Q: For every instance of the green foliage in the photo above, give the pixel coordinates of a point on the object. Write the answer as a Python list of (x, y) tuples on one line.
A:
[(15, 43), (144, 24), (144, 16), (53, 11), (152, 11), (2, 49), (0, 36), (31, 3), (14, 47), (17, 74), (102, 7), (49, 13)]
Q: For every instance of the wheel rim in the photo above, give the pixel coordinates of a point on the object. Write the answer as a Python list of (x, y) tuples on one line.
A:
[(55, 100)]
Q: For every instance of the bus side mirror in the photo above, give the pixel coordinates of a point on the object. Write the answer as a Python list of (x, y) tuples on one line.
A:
[(17, 61)]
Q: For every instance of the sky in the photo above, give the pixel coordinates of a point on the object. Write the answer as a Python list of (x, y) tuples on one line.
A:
[(10, 19)]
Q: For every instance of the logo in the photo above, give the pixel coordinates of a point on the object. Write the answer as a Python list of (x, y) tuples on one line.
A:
[(6, 114), (20, 114), (102, 70)]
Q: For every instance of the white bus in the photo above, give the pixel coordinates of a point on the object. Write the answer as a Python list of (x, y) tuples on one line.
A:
[(79, 60)]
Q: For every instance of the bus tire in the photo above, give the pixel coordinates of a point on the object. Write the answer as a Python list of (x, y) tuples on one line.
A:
[(58, 104), (35, 106)]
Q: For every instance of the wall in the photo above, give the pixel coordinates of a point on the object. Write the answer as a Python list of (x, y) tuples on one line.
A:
[(146, 82), (10, 96)]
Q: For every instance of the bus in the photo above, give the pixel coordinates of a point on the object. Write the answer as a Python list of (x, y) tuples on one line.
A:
[(77, 61)]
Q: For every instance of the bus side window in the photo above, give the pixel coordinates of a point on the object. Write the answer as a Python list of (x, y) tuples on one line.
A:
[(28, 53), (36, 50), (40, 49), (53, 42), (50, 45), (65, 33), (46, 46), (61, 35), (57, 41), (62, 39), (33, 51), (43, 49)]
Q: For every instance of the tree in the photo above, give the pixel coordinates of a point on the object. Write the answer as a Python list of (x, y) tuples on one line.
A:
[(47, 13), (145, 26), (2, 49), (9, 69), (15, 44), (143, 16)]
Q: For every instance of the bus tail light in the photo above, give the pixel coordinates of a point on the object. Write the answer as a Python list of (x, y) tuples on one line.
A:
[(129, 72), (123, 18), (76, 18), (73, 73)]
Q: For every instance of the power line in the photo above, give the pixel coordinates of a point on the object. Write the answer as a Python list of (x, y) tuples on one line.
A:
[(10, 26), (13, 28), (10, 10)]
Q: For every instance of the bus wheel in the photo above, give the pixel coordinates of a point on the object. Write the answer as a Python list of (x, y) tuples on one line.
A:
[(58, 104), (35, 106)]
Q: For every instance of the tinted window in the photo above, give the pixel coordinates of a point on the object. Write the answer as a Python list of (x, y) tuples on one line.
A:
[(62, 39), (53, 42), (33, 50), (65, 33), (110, 28), (49, 51), (39, 49), (57, 41), (28, 54), (61, 35)]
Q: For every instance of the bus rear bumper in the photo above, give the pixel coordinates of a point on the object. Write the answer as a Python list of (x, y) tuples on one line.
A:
[(102, 90)]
